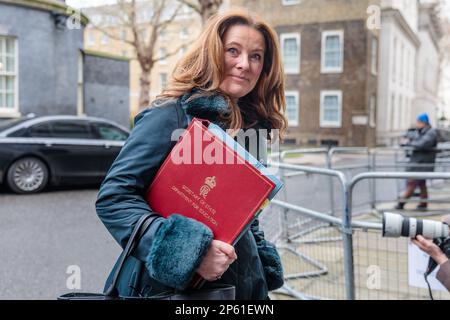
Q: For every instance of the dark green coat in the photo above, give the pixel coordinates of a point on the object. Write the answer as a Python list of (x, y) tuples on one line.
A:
[(172, 249)]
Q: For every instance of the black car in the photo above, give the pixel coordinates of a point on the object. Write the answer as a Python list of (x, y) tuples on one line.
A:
[(57, 149)]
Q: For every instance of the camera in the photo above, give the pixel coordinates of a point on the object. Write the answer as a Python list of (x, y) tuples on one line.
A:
[(396, 225)]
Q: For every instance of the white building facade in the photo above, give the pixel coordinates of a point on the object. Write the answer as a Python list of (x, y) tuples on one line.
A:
[(399, 42), (428, 64)]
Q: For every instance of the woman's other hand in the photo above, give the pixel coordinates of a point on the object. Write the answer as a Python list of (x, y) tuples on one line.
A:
[(431, 248), (219, 257)]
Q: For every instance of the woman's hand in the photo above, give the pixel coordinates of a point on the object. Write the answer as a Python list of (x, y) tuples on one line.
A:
[(432, 249), (217, 260)]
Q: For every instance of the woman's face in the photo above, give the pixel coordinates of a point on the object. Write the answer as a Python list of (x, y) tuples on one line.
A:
[(243, 60)]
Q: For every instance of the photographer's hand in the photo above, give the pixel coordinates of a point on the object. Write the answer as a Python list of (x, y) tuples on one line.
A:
[(432, 249)]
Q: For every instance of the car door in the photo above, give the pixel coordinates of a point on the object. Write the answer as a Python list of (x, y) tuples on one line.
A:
[(112, 138), (73, 150)]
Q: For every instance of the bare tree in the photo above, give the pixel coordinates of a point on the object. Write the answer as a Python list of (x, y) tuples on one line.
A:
[(145, 20), (205, 8)]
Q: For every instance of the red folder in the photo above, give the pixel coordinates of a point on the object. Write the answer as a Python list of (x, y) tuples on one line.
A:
[(203, 178)]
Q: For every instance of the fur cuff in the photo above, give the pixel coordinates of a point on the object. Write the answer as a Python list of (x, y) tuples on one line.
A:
[(273, 269), (178, 249)]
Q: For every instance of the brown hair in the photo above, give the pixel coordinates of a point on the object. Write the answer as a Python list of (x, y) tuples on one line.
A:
[(202, 68)]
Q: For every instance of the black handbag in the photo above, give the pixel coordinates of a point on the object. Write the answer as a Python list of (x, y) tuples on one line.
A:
[(218, 292)]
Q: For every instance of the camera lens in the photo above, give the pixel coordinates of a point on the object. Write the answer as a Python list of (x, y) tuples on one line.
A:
[(396, 225)]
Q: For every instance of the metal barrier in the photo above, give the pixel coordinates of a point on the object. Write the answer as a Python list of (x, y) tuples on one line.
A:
[(389, 175), (318, 225)]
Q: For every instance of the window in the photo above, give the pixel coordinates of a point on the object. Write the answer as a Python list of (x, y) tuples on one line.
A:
[(186, 9), (405, 114), (8, 74), (393, 112), (292, 107), (182, 52), (71, 130), (372, 111), (289, 2), (108, 132), (331, 109), (401, 113), (290, 49), (374, 56), (163, 34), (402, 57), (407, 68), (123, 35), (41, 130), (143, 35), (162, 55), (91, 38), (184, 33), (105, 39), (163, 80), (332, 52), (394, 60)]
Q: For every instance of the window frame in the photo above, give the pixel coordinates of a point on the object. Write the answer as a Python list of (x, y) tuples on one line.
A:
[(182, 33), (330, 124), (323, 67), (79, 122), (14, 111), (297, 37), (161, 75), (374, 56), (296, 95), (94, 125), (160, 51), (104, 40), (91, 38), (290, 2)]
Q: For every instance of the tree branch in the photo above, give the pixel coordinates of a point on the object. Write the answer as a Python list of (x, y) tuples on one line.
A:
[(192, 5)]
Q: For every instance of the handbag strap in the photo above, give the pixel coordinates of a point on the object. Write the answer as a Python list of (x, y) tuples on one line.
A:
[(141, 227)]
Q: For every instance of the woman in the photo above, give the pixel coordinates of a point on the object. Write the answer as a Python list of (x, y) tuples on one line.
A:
[(233, 77)]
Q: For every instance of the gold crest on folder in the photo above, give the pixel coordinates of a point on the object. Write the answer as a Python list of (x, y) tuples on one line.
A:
[(210, 183)]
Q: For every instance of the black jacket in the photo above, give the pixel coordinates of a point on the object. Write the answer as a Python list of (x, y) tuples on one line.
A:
[(423, 141), (172, 249)]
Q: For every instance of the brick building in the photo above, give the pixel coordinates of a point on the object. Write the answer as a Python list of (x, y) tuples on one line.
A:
[(331, 65), (45, 70)]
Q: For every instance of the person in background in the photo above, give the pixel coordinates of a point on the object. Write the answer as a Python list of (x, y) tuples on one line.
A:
[(423, 140)]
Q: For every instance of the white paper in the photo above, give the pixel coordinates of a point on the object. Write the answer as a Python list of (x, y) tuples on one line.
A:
[(417, 264)]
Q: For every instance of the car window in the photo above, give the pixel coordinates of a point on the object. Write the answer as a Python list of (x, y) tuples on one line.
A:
[(19, 133), (71, 130), (109, 132), (41, 130)]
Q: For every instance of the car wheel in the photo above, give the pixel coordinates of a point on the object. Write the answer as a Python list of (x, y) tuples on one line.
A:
[(27, 175)]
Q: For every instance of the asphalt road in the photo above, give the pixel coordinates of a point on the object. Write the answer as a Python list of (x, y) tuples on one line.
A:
[(43, 235)]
